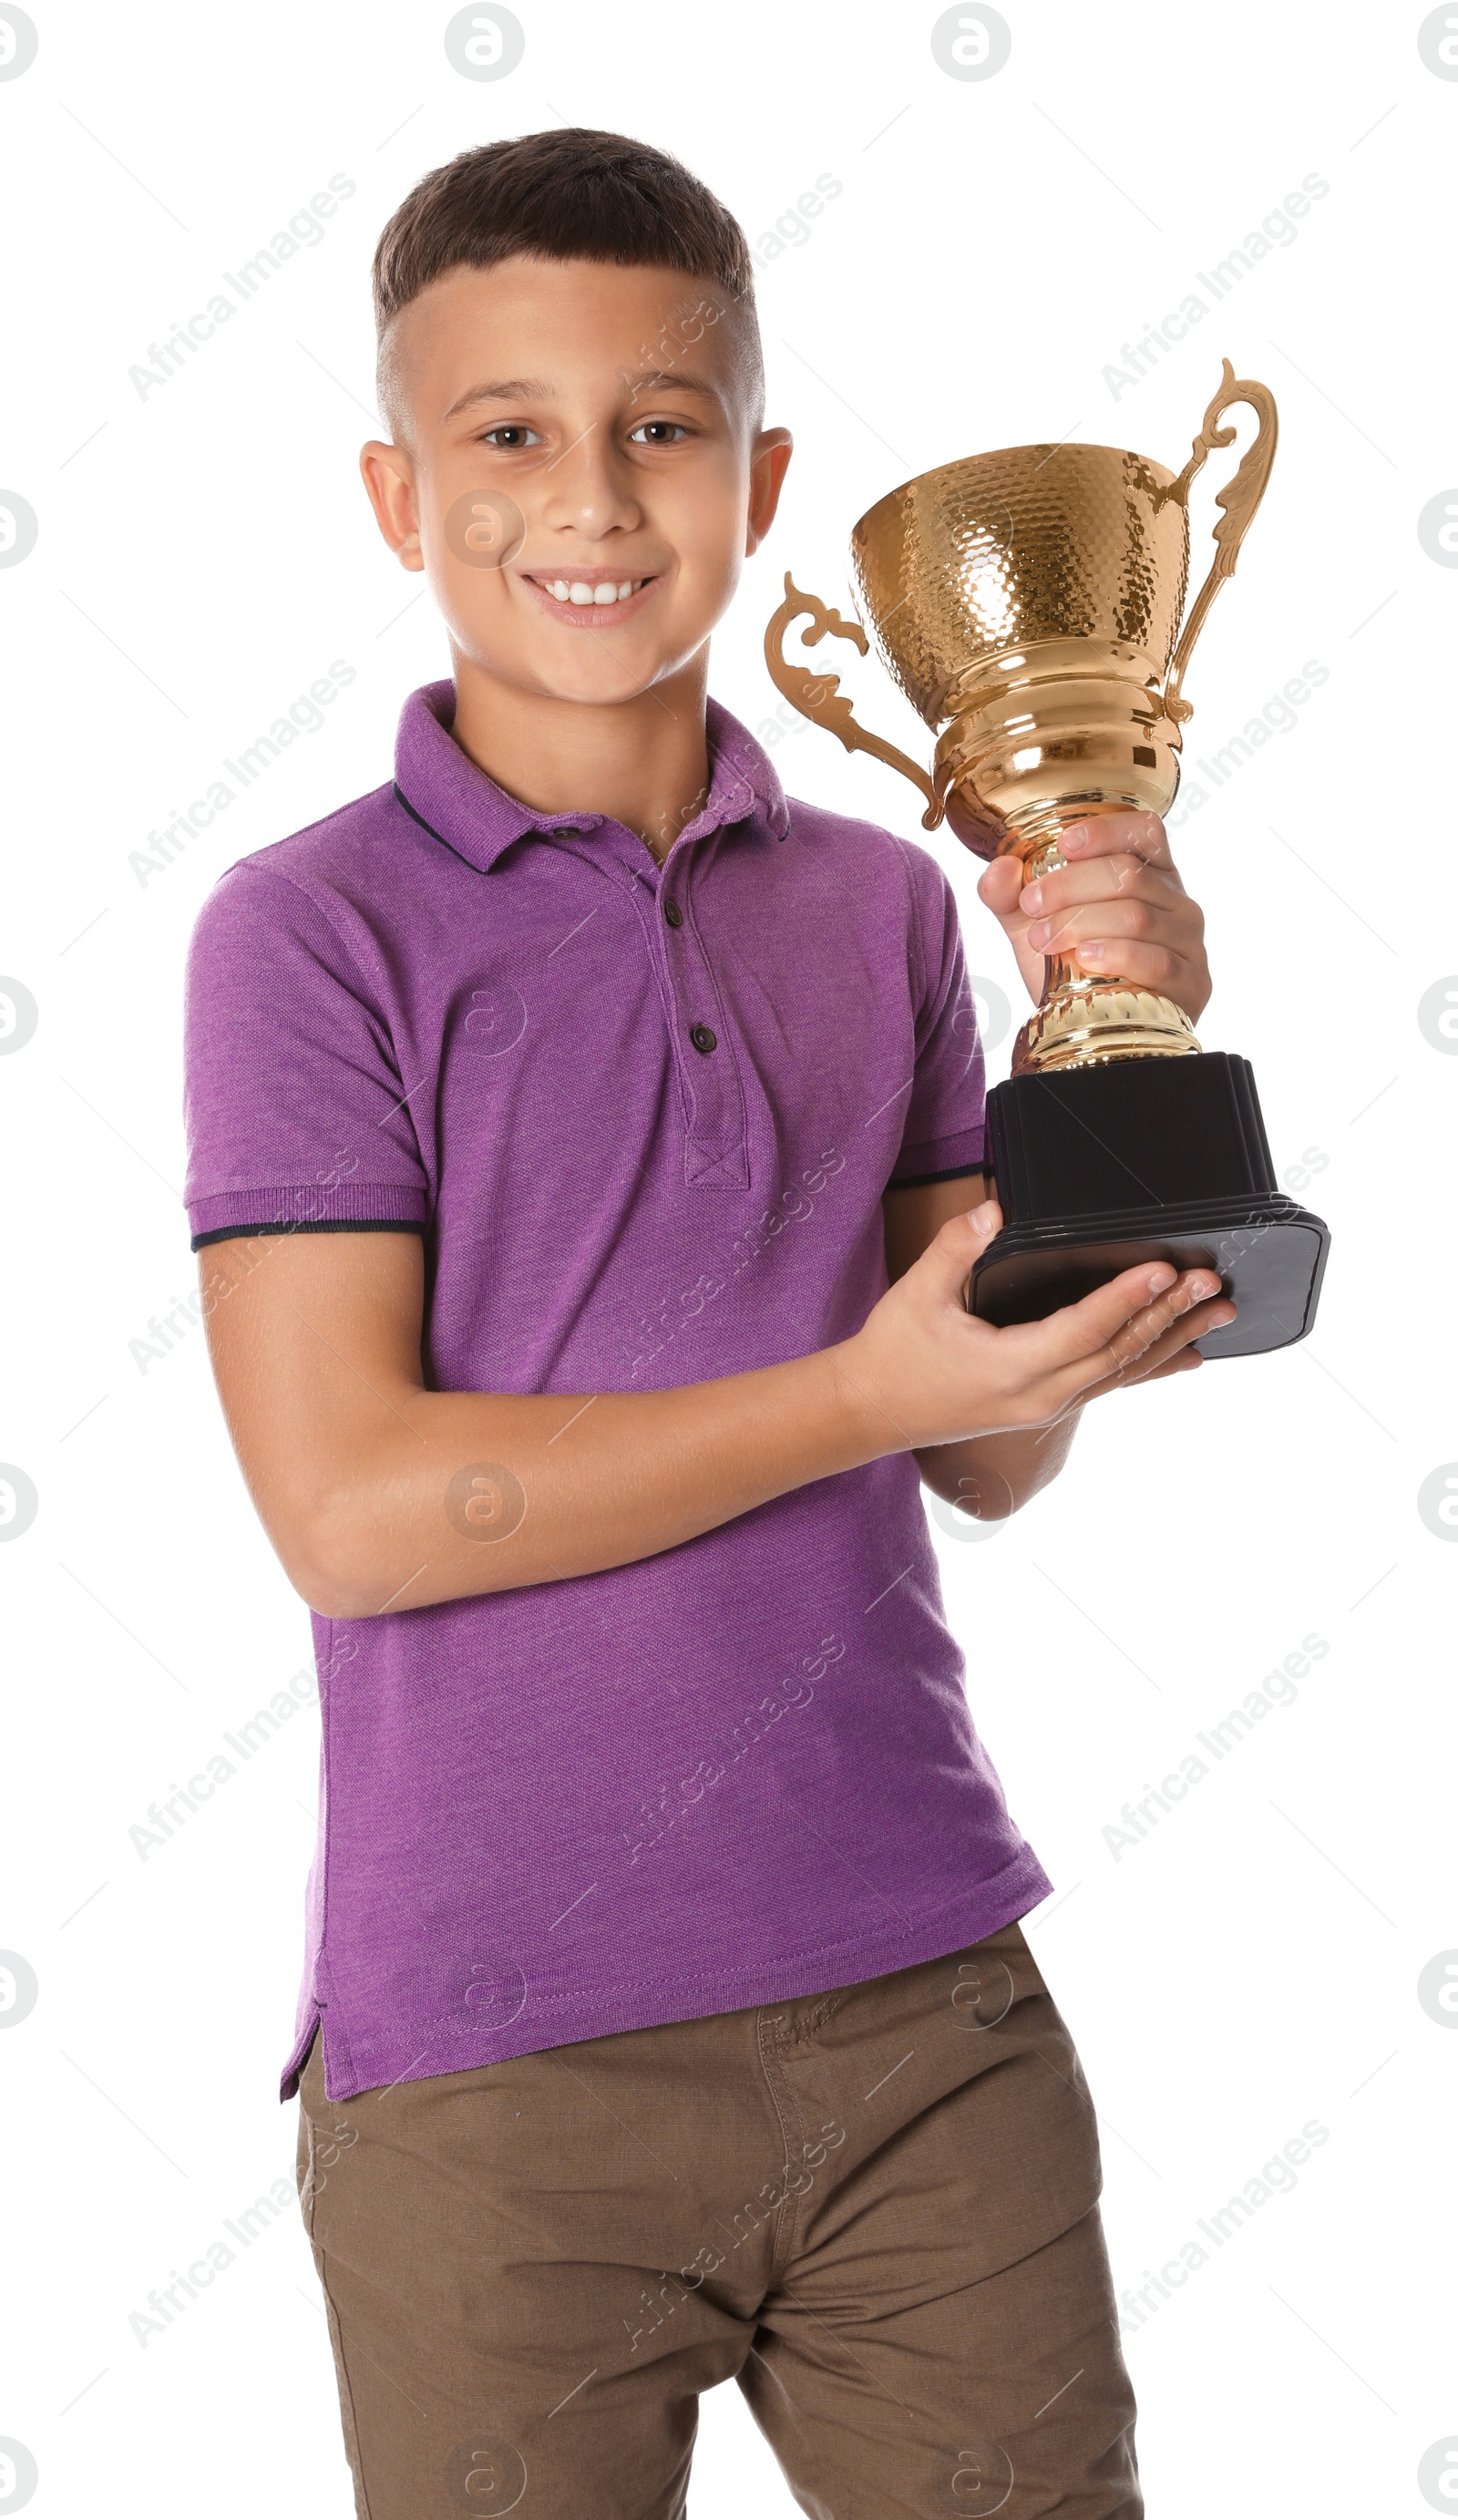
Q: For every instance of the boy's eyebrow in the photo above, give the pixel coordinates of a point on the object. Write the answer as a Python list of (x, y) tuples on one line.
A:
[(535, 389), (676, 379), (507, 389)]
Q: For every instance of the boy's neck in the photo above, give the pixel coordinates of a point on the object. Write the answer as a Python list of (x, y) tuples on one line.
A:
[(643, 761)]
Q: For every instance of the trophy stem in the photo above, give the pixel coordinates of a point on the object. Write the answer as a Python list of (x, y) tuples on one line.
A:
[(1085, 1019)]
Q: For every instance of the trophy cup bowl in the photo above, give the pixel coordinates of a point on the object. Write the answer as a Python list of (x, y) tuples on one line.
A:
[(1029, 604)]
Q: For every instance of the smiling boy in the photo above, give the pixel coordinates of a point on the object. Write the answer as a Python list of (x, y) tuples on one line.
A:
[(586, 1150)]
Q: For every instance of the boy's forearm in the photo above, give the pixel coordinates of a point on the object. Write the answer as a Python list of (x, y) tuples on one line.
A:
[(469, 1492), (991, 1475), (378, 1494)]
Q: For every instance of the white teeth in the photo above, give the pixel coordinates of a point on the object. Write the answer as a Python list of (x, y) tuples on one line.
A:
[(578, 591)]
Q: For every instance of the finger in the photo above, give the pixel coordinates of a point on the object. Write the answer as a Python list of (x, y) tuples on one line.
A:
[(1194, 1317), (1153, 966), (1123, 829), (1078, 1342), (999, 885), (1210, 1313), (1117, 877), (1126, 1339), (1147, 966), (1187, 1357), (1101, 876), (1174, 1347), (1188, 1361), (1176, 925), (953, 1251)]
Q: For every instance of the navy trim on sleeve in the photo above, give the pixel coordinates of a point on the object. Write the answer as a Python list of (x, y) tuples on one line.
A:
[(321, 1225), (919, 1181)]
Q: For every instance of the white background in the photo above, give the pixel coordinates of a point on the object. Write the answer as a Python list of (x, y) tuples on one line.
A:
[(204, 554)]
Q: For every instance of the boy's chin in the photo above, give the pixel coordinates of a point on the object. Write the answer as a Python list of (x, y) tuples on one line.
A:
[(597, 680)]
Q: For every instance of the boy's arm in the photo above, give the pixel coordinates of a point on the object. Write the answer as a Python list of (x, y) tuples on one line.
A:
[(990, 1475), (1117, 903), (378, 1494)]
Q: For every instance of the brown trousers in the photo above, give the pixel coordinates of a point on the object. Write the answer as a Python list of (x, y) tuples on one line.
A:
[(874, 2208)]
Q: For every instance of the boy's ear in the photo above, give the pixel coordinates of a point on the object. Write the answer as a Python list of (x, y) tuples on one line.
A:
[(772, 449), (389, 479)]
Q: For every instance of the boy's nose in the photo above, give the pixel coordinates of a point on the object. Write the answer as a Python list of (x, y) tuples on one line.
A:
[(590, 487)]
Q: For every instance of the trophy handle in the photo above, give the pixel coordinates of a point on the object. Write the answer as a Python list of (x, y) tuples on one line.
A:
[(818, 696), (1239, 499)]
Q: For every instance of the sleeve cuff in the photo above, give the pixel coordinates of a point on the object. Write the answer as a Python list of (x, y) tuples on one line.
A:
[(306, 1207), (939, 1159)]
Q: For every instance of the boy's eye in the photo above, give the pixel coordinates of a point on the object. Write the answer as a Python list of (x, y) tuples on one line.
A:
[(657, 432), (510, 434)]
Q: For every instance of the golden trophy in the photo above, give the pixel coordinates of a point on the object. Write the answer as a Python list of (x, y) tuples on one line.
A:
[(1029, 604)]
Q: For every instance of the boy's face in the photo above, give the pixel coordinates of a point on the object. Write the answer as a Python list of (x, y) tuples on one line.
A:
[(574, 424)]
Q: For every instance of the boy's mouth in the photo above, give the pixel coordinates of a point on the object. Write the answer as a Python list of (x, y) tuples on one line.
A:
[(588, 603)]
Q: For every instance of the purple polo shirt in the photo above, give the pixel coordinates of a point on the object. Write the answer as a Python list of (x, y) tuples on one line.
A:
[(642, 1118)]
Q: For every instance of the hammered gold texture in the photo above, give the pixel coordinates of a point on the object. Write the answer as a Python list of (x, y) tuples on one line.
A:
[(1030, 543), (1028, 603)]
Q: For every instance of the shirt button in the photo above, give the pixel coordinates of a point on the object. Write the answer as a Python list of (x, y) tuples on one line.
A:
[(673, 914), (702, 1038)]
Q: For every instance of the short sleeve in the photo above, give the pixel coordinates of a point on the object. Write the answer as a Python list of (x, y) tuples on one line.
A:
[(945, 1117), (294, 1104)]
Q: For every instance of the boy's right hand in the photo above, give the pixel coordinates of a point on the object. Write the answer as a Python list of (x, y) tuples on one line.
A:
[(943, 1376)]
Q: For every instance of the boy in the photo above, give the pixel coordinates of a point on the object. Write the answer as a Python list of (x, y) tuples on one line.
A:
[(586, 1157)]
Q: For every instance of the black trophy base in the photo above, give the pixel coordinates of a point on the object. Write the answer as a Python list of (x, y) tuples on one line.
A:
[(1099, 1168)]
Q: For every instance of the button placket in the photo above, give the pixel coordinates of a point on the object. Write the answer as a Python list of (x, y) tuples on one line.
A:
[(716, 1148)]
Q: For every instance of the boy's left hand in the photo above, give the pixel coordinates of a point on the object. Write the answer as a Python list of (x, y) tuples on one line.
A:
[(1118, 906)]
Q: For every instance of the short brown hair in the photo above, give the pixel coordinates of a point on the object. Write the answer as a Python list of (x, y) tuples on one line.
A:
[(565, 196)]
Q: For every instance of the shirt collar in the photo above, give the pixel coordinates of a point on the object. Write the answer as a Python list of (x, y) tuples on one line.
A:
[(445, 791)]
